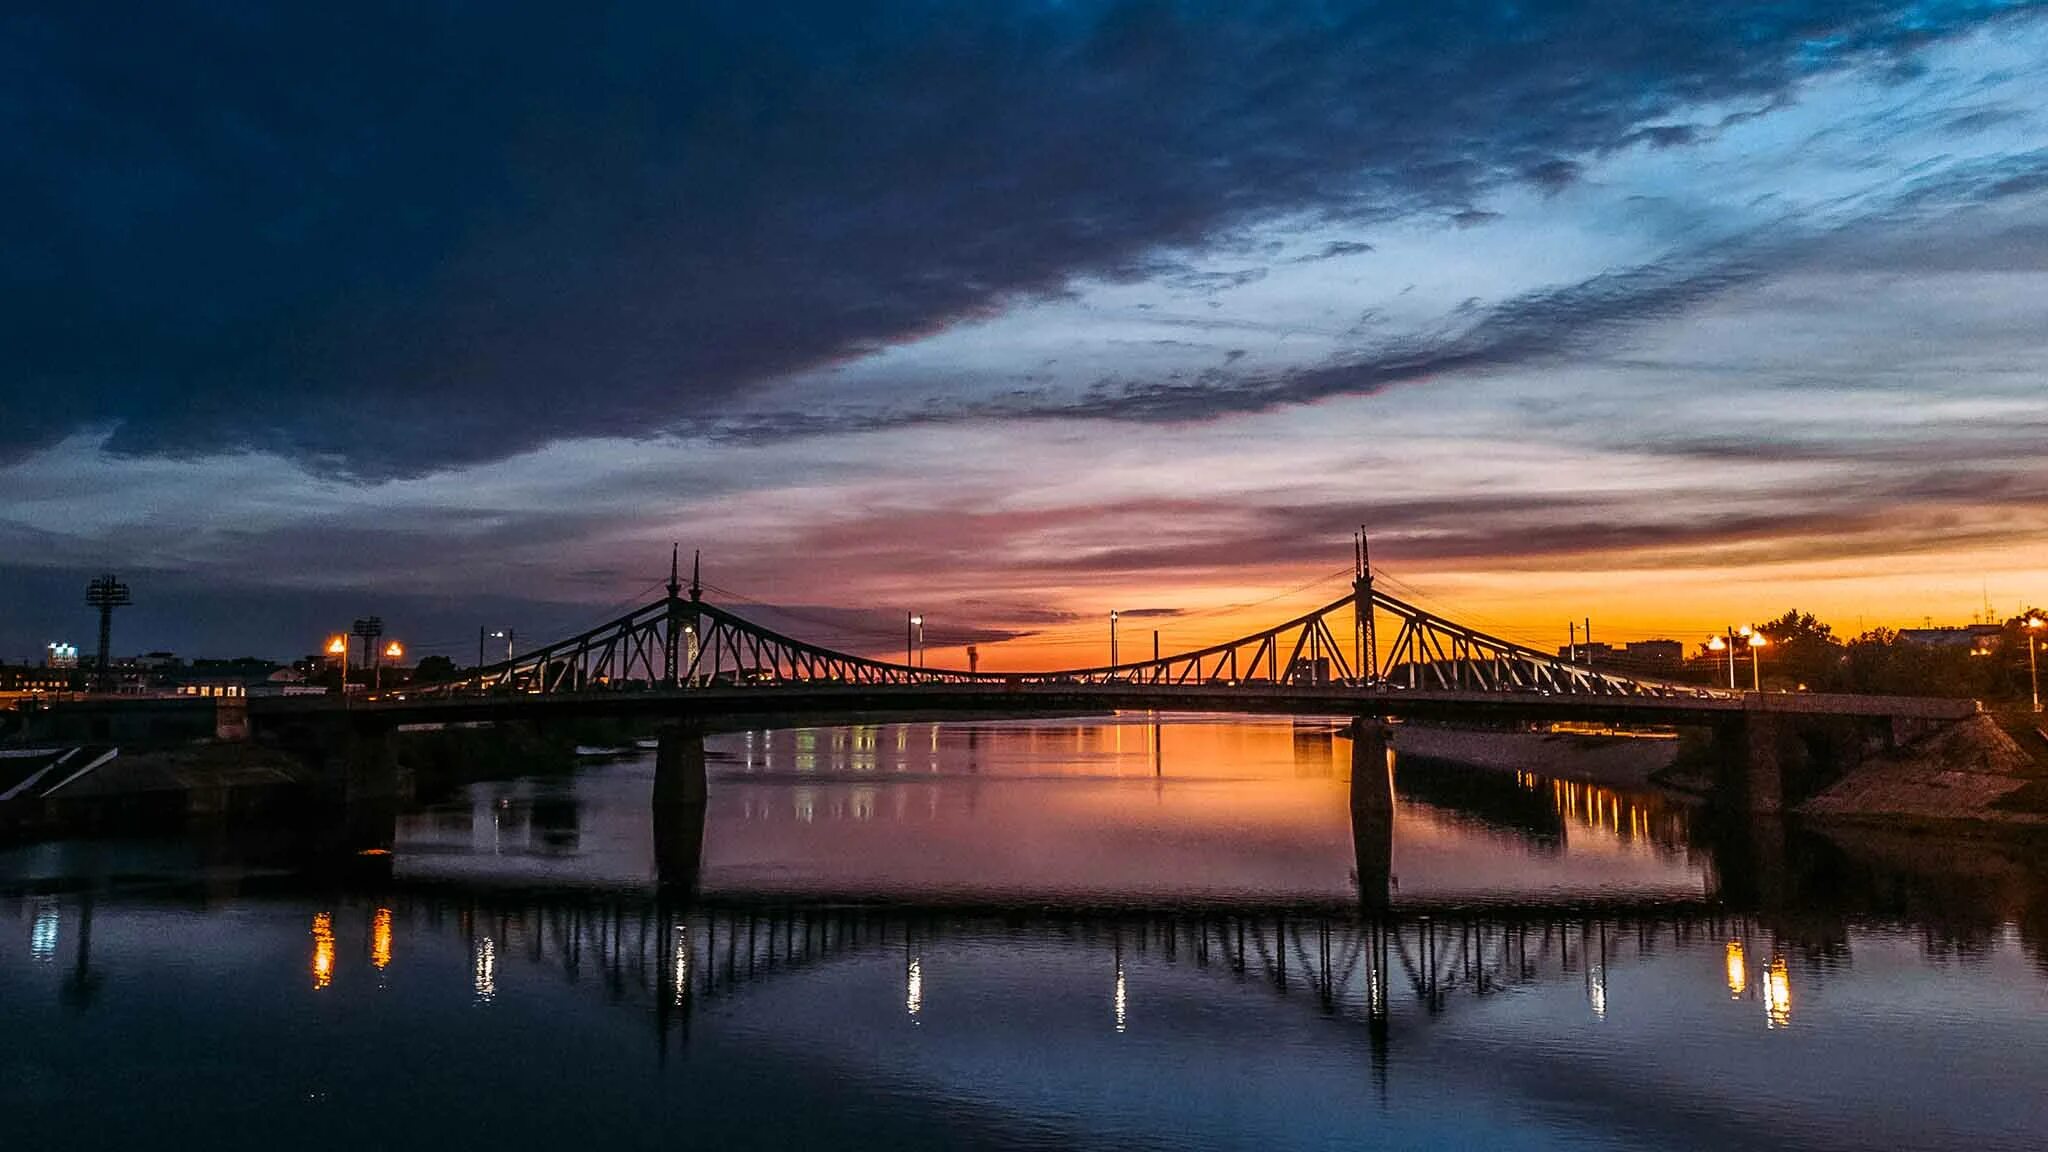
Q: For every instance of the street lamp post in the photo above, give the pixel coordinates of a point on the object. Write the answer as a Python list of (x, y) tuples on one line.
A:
[(1752, 639), (337, 647), (1112, 637), (392, 651), (1717, 644), (2034, 624), (913, 634)]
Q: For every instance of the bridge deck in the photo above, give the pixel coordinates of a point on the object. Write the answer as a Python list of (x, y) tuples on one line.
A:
[(820, 702)]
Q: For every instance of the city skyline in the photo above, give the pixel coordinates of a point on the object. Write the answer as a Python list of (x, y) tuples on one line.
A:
[(1017, 316)]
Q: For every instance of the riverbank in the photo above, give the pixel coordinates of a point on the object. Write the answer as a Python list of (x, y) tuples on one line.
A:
[(1971, 772), (1616, 760)]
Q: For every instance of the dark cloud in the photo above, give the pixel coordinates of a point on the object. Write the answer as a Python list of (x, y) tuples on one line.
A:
[(1336, 248), (393, 237), (1542, 324), (1664, 135)]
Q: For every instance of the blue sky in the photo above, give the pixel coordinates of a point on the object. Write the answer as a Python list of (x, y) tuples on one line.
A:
[(1018, 312)]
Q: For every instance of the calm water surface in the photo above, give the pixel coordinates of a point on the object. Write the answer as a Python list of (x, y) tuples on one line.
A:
[(1037, 934)]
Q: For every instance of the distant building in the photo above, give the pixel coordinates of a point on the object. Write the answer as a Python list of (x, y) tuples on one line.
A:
[(29, 680), (231, 678), (1586, 653), (61, 655), (1663, 653), (1979, 638), (1637, 654)]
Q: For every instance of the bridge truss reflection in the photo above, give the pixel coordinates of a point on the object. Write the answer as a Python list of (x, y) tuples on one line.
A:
[(1378, 973)]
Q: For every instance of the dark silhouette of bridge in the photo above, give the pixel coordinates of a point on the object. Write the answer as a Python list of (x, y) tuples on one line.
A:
[(684, 642), (698, 666)]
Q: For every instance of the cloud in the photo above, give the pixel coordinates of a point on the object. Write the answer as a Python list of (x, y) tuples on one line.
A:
[(407, 237)]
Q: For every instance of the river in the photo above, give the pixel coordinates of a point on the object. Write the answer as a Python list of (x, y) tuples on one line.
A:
[(1118, 932)]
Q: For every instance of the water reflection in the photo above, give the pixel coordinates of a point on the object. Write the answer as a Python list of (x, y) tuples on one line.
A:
[(380, 939), (42, 941), (1778, 993), (1401, 998), (1482, 960), (485, 968), (323, 949)]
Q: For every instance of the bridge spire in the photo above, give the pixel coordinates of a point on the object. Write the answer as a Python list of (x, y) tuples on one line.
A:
[(675, 552), (1364, 636), (696, 566)]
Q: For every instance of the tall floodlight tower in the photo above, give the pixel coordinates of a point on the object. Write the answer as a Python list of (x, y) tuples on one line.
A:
[(1366, 638), (106, 594)]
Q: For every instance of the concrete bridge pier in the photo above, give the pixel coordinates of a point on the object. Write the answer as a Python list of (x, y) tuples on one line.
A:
[(679, 766), (361, 798), (1372, 812), (1769, 762), (680, 797)]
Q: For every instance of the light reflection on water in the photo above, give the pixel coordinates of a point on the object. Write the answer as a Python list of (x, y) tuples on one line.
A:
[(1123, 810), (1078, 934)]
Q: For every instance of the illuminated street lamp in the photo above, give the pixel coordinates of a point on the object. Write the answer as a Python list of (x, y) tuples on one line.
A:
[(1112, 637), (913, 638), (1716, 644), (1751, 638), (337, 647), (2034, 624), (393, 652), (1757, 643)]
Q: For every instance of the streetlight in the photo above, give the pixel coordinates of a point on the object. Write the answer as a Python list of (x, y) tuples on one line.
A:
[(1753, 638), (913, 638), (337, 647), (1716, 644), (1112, 637), (2034, 624), (504, 634), (393, 652), (1757, 642)]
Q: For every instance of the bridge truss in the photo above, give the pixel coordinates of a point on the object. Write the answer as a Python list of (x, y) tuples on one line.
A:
[(682, 641)]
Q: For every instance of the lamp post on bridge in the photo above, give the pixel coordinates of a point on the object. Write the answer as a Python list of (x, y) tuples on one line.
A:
[(913, 639), (2034, 624), (394, 652), (1750, 638), (337, 647), (1112, 637)]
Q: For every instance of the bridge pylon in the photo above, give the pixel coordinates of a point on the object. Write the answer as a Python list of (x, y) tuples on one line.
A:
[(674, 617), (1365, 639)]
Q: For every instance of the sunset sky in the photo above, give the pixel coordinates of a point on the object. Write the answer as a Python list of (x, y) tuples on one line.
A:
[(1671, 315)]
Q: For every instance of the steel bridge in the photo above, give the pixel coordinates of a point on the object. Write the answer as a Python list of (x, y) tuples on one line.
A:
[(682, 642)]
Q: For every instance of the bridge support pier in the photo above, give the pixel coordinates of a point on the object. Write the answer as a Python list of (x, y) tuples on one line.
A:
[(1769, 762), (679, 767), (1748, 764), (362, 802), (680, 797), (1372, 812)]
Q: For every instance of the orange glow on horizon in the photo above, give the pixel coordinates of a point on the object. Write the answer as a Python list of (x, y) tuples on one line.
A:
[(1531, 607)]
